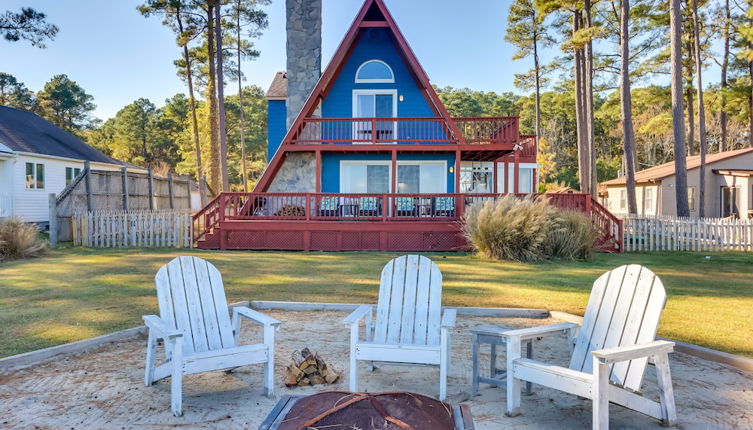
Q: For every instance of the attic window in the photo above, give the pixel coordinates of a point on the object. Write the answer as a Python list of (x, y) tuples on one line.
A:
[(375, 72)]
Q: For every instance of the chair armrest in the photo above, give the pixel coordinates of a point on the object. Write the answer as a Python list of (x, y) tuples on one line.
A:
[(448, 318), (255, 316), (160, 327), (358, 314), (632, 352), (525, 333)]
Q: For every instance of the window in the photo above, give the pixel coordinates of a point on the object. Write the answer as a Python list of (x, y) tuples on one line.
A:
[(623, 199), (374, 71), (421, 177), (648, 200), (525, 178), (477, 177), (730, 202), (34, 176), (374, 104), (691, 198), (70, 174), (365, 177)]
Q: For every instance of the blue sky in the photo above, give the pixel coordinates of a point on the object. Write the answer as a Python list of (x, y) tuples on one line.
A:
[(117, 55)]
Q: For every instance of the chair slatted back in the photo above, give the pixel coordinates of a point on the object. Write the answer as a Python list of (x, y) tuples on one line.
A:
[(410, 302), (623, 310), (192, 298)]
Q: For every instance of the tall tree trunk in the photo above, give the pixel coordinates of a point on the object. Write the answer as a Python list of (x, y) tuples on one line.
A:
[(750, 105), (628, 142), (691, 118), (244, 175), (583, 165), (589, 105), (678, 122), (194, 119), (689, 96), (537, 84), (214, 166), (221, 97), (725, 65), (701, 110)]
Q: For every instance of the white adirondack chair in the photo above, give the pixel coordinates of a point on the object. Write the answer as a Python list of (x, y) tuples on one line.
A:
[(610, 351), (195, 324), (407, 327)]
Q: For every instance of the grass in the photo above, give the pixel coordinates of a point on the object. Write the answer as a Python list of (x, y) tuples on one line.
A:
[(74, 293)]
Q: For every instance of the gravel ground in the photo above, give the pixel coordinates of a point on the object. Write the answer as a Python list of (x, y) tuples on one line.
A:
[(103, 388)]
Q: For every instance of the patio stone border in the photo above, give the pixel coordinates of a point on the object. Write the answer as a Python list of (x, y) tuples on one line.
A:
[(477, 312), (42, 355), (32, 358)]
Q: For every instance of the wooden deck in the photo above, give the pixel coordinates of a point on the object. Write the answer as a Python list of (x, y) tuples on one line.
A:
[(360, 222)]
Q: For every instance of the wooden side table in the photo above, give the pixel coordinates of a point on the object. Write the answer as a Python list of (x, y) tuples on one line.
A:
[(490, 334)]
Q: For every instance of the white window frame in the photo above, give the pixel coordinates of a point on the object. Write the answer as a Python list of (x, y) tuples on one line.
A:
[(35, 167), (344, 163), (443, 163), (375, 81), (356, 93), (74, 174), (507, 185)]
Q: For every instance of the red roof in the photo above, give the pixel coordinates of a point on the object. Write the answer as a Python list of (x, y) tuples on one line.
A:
[(665, 170)]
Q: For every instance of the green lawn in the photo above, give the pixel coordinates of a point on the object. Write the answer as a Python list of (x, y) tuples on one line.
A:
[(76, 293)]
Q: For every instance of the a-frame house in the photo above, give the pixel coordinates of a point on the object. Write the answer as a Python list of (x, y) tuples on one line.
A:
[(373, 161)]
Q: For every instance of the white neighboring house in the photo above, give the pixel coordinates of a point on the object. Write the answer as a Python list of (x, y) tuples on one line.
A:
[(729, 187), (38, 158)]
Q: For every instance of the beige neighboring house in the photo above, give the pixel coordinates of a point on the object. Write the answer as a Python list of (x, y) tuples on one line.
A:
[(729, 187)]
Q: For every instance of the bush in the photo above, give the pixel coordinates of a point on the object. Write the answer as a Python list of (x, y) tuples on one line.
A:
[(509, 228), (572, 236), (527, 230), (19, 240)]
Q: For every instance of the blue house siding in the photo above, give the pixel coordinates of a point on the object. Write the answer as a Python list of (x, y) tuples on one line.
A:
[(276, 125), (379, 44), (331, 166)]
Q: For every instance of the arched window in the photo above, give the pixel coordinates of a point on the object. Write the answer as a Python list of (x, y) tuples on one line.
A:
[(374, 71)]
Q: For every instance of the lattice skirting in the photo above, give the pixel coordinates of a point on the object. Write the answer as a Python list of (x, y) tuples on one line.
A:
[(300, 237)]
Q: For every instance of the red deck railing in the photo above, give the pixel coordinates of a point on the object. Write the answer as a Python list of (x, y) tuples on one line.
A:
[(491, 130), (380, 208)]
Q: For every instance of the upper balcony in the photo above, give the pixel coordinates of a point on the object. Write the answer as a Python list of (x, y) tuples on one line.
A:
[(485, 138)]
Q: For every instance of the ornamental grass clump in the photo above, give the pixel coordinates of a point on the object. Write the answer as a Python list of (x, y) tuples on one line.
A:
[(19, 240), (527, 230), (509, 228), (572, 236)]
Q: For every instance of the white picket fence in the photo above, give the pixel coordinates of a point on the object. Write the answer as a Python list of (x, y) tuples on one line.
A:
[(665, 233), (145, 229)]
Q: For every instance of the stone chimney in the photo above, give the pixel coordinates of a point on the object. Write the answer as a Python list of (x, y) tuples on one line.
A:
[(304, 52)]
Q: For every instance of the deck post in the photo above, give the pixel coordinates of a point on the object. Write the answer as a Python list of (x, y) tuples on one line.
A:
[(495, 180), (318, 187), (393, 180), (506, 173), (220, 219), (516, 175)]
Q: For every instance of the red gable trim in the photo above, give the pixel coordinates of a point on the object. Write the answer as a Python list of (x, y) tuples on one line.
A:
[(333, 70)]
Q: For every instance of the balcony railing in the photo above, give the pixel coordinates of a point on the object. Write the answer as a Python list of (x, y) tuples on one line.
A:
[(337, 207), (496, 130)]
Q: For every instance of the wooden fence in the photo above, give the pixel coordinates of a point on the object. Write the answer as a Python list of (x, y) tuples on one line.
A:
[(666, 233), (118, 229)]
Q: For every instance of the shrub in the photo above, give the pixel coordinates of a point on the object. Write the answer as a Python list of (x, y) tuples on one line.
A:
[(572, 236), (19, 240), (527, 230), (509, 228)]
